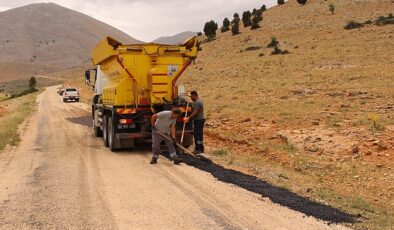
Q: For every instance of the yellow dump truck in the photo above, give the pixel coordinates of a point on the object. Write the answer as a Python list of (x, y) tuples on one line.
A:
[(131, 83)]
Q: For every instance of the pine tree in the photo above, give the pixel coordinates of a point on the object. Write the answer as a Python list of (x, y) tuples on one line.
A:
[(255, 21), (246, 18), (32, 83), (302, 2), (210, 29), (226, 25), (235, 25)]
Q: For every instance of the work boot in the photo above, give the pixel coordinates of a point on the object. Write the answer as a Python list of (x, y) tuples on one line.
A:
[(196, 152), (177, 160), (153, 161)]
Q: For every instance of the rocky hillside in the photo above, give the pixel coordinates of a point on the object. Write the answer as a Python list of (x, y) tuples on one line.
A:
[(49, 35), (321, 115)]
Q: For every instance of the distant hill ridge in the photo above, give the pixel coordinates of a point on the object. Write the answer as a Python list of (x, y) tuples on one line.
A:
[(175, 39), (52, 35)]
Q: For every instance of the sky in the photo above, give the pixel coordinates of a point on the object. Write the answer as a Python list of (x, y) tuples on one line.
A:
[(147, 20)]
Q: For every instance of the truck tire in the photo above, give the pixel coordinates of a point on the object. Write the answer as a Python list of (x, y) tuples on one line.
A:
[(105, 130), (96, 129), (111, 135)]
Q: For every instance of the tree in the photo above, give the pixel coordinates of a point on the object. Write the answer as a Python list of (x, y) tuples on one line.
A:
[(210, 29), (331, 7), (236, 15), (259, 14), (302, 2), (256, 21), (235, 25), (32, 83), (281, 2), (226, 25), (246, 18), (263, 8), (199, 34)]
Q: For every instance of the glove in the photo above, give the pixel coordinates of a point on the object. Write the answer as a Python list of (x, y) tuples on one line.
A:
[(173, 141)]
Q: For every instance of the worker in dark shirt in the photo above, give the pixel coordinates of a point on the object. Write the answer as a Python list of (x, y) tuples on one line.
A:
[(198, 122)]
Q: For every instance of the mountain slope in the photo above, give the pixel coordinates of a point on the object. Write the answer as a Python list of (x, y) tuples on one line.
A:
[(311, 109), (175, 39), (49, 34)]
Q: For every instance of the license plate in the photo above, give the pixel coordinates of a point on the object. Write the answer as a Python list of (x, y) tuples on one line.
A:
[(132, 126)]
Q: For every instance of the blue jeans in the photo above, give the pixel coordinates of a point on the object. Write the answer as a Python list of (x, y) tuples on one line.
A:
[(199, 135)]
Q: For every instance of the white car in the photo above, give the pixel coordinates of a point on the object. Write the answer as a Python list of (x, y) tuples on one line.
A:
[(71, 94)]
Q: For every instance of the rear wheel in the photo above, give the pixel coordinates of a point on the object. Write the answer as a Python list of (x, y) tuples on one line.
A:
[(96, 130), (111, 135), (105, 130)]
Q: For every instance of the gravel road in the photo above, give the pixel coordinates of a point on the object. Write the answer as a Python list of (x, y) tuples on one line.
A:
[(61, 177)]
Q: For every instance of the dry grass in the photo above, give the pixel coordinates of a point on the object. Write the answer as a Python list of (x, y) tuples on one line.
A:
[(333, 79), (16, 112)]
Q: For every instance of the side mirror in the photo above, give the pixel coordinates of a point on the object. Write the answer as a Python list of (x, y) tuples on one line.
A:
[(87, 77)]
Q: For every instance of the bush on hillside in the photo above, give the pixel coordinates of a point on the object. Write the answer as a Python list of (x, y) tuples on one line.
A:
[(199, 34), (331, 8), (302, 2), (263, 8), (256, 21), (382, 20), (274, 43), (226, 25), (278, 51), (32, 83), (353, 25), (281, 2), (246, 18), (252, 48), (210, 29), (235, 27), (259, 14)]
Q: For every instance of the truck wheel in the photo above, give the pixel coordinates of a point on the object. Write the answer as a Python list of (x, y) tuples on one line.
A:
[(96, 130), (105, 130), (111, 135)]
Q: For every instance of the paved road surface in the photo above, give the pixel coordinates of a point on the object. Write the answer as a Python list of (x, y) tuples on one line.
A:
[(61, 177)]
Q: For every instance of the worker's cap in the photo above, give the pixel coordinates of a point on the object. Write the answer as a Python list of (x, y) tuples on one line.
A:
[(177, 112)]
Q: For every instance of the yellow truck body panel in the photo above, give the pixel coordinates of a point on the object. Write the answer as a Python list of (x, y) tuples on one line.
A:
[(142, 74)]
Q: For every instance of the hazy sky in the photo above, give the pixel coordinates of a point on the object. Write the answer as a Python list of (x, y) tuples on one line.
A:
[(149, 19)]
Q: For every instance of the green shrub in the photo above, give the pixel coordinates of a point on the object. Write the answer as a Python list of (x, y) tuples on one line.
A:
[(281, 2), (246, 18), (382, 20), (274, 43), (226, 25), (235, 25), (210, 29), (331, 8), (278, 51), (256, 21), (353, 25), (302, 2), (376, 124), (252, 48)]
